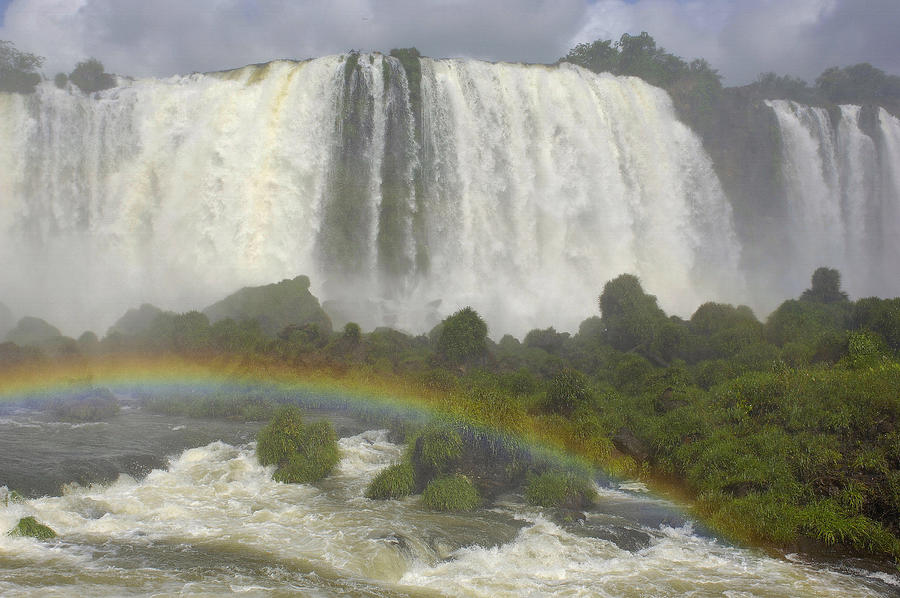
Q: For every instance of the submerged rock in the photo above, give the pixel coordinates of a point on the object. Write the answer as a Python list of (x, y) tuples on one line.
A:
[(30, 527)]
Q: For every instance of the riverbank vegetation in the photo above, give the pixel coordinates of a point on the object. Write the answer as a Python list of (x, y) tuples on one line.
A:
[(782, 432)]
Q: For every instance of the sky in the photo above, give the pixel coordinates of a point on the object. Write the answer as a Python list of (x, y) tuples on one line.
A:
[(741, 38)]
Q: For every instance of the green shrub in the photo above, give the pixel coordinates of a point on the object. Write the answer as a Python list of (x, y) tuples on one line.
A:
[(567, 391), (451, 493), (303, 453), (462, 338), (395, 481), (558, 489), (31, 528)]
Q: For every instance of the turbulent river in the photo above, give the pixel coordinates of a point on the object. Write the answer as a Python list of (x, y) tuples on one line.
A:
[(156, 505)]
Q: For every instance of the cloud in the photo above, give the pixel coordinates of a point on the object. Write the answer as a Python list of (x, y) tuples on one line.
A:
[(739, 37), (743, 38), (163, 37)]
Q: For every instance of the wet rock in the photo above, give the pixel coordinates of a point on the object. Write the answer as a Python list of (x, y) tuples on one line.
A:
[(626, 442)]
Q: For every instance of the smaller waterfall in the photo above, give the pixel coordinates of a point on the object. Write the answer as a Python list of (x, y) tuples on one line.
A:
[(842, 200)]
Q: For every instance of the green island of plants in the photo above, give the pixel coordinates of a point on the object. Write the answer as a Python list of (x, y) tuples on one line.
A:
[(303, 453), (451, 493)]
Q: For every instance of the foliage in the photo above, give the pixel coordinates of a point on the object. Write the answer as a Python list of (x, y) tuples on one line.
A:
[(548, 339), (31, 528), (137, 320), (33, 332), (629, 316), (273, 306), (858, 83), (826, 287), (352, 332), (61, 80), (435, 450), (302, 453), (395, 481), (89, 76), (232, 405), (567, 391), (18, 69), (559, 489), (451, 493), (463, 338)]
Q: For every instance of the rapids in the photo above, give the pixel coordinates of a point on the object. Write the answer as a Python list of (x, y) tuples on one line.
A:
[(210, 521)]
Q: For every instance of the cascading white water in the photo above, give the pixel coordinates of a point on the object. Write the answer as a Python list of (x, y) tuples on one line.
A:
[(519, 190), (889, 224), (842, 196)]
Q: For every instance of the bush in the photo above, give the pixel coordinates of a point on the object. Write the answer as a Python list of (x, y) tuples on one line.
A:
[(462, 338), (303, 453), (395, 481), (557, 489), (31, 528), (90, 76), (18, 69), (451, 493), (567, 391)]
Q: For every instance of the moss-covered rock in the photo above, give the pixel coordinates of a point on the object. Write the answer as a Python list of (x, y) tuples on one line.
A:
[(274, 306), (136, 321), (33, 332), (558, 489), (303, 453), (451, 493), (435, 451), (32, 528), (395, 481)]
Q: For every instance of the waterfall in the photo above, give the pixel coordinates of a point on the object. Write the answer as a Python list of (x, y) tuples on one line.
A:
[(842, 195), (405, 193)]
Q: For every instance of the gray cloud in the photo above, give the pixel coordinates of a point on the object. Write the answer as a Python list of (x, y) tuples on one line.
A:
[(739, 37), (170, 36)]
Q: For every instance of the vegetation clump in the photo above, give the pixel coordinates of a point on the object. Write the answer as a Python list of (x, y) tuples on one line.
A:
[(559, 489), (273, 306), (31, 528), (236, 406), (434, 451), (302, 453), (18, 70), (462, 338), (96, 405), (395, 481), (89, 76), (451, 493)]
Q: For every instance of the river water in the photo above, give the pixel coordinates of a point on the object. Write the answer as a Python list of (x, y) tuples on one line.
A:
[(152, 505)]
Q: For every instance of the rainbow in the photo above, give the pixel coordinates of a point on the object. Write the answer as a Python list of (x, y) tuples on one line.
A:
[(356, 389)]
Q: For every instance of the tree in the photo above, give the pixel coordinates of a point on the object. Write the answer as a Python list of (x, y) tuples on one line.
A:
[(630, 317), (600, 56), (463, 337), (90, 76), (18, 69), (826, 287)]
